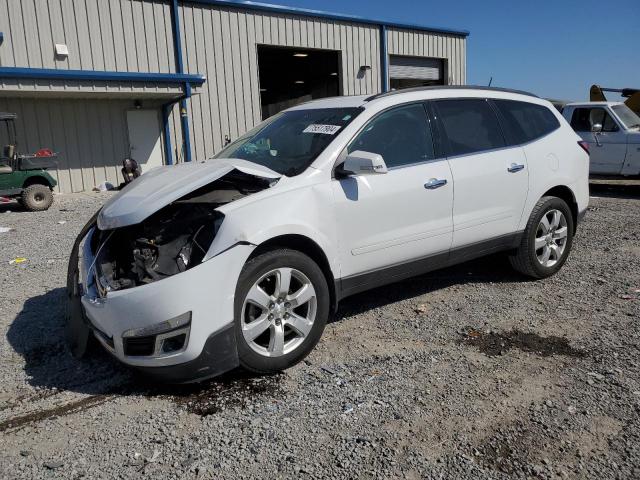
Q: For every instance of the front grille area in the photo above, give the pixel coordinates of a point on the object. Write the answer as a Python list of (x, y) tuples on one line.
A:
[(139, 346)]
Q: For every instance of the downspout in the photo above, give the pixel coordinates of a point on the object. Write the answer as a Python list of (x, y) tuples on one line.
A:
[(166, 111), (384, 59), (184, 114)]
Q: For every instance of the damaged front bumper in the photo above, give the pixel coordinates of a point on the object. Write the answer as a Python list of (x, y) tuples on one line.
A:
[(178, 329)]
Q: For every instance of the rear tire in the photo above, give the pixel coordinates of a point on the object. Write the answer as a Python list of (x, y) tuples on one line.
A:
[(547, 239), (36, 198), (281, 308)]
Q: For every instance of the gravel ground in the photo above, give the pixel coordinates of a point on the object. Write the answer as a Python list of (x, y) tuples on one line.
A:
[(470, 372)]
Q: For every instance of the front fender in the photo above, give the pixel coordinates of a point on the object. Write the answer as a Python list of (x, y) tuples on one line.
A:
[(302, 211)]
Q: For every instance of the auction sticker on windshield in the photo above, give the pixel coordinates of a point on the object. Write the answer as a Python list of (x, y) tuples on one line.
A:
[(326, 129)]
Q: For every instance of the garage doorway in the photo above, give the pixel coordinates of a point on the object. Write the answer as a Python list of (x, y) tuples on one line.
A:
[(407, 72), (289, 76), (144, 138)]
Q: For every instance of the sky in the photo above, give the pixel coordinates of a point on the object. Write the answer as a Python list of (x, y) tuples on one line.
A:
[(555, 49)]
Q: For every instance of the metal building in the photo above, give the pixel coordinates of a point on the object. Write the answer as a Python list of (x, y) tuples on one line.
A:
[(166, 81)]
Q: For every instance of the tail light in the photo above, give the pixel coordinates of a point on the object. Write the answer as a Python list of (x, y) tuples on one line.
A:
[(584, 145)]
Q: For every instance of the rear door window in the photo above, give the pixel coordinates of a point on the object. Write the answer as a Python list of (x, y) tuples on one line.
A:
[(525, 122), (470, 125)]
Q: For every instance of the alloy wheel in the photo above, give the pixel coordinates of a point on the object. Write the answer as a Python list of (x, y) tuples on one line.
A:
[(551, 238), (278, 312)]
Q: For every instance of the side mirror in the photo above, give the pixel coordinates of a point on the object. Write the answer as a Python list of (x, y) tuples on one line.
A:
[(363, 163), (596, 128)]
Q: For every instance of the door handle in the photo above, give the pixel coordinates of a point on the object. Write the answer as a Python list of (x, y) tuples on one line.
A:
[(515, 168), (434, 183)]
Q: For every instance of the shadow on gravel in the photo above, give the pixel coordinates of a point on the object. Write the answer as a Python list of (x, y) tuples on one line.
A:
[(491, 269), (626, 189), (37, 334), (494, 344), (11, 206)]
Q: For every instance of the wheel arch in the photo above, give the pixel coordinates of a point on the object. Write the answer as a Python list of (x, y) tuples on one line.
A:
[(566, 194), (36, 180), (309, 247)]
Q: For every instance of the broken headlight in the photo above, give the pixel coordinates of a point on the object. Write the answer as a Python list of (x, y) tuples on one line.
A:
[(171, 241)]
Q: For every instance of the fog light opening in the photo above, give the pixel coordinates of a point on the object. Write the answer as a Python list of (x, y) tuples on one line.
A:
[(174, 344)]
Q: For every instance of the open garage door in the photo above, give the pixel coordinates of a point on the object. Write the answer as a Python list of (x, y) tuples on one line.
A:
[(289, 76), (405, 72)]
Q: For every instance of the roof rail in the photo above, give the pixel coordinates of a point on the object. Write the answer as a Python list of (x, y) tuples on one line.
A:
[(448, 87)]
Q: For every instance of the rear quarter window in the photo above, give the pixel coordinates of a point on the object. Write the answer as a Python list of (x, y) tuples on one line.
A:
[(525, 122)]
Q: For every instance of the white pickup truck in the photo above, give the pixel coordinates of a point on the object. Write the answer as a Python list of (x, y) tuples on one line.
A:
[(613, 132)]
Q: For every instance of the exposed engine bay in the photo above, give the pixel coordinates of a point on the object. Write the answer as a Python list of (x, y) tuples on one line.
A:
[(172, 240)]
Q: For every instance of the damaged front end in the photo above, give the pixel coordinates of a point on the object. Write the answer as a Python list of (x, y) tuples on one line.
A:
[(161, 225), (171, 241)]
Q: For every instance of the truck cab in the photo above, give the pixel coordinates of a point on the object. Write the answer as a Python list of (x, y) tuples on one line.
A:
[(612, 130)]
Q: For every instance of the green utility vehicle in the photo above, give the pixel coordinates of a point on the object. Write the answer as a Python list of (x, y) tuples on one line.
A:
[(24, 176)]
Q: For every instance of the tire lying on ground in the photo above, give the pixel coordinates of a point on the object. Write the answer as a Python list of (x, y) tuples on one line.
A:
[(36, 198)]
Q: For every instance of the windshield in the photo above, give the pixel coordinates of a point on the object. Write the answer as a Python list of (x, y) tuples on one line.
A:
[(290, 141), (626, 116)]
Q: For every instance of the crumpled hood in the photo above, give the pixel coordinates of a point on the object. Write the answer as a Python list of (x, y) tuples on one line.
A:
[(159, 187)]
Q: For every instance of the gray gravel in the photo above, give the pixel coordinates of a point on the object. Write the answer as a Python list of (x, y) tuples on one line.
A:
[(471, 372)]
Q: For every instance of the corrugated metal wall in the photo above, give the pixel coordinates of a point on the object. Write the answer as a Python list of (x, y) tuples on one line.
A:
[(136, 36), (229, 102), (109, 35), (417, 43), (104, 35), (90, 135), (221, 43)]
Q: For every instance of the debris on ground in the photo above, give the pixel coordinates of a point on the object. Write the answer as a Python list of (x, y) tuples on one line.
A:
[(17, 261), (6, 229), (104, 187), (423, 308)]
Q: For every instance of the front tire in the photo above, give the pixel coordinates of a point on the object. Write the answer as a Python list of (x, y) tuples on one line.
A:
[(281, 308), (36, 198), (547, 239)]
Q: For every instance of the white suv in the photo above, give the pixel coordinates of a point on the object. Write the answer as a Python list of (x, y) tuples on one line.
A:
[(198, 268)]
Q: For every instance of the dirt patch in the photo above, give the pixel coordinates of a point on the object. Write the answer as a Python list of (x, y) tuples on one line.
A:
[(509, 451), (58, 411), (219, 395), (494, 344)]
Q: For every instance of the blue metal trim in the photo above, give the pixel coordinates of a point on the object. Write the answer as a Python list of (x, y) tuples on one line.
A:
[(177, 40), (166, 111), (384, 59), (269, 7), (186, 137), (184, 113), (99, 76)]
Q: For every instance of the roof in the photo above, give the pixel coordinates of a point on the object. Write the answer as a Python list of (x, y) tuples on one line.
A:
[(450, 87), (282, 9), (365, 101), (7, 116), (578, 104)]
